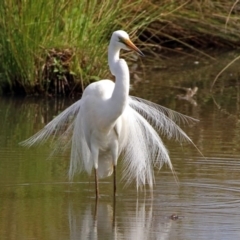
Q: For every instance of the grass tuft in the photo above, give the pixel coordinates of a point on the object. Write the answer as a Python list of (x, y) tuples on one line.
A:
[(57, 47)]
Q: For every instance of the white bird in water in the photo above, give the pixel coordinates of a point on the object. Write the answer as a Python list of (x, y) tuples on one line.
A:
[(107, 122)]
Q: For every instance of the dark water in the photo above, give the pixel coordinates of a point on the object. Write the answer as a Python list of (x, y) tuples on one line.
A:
[(38, 202)]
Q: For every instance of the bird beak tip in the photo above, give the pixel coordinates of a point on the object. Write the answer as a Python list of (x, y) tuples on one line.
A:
[(141, 54), (132, 46)]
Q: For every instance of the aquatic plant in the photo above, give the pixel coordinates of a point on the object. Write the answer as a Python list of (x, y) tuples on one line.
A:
[(57, 47), (53, 46)]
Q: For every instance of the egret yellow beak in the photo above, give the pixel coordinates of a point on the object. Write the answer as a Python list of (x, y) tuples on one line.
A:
[(131, 46)]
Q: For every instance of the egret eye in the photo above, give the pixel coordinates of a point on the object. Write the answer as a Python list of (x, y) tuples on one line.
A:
[(120, 39)]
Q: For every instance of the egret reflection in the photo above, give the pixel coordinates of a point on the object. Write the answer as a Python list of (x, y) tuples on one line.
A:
[(101, 220)]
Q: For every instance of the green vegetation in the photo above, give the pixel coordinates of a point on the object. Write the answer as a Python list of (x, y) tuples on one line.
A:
[(57, 47)]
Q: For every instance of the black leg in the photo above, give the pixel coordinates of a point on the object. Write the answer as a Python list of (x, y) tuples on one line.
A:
[(114, 182), (96, 183)]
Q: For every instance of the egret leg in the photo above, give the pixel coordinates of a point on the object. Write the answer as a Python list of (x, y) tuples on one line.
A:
[(114, 150), (95, 152), (114, 182), (96, 183)]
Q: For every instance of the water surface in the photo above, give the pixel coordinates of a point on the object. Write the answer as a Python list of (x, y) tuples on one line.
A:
[(38, 201)]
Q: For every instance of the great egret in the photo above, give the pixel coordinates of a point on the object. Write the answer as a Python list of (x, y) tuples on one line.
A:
[(107, 122)]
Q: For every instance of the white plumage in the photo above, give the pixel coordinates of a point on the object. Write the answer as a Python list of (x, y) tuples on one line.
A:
[(107, 122)]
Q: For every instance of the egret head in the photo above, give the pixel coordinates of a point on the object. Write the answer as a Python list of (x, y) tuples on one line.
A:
[(121, 39)]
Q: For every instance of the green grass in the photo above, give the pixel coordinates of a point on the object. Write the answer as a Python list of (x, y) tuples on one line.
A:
[(60, 39), (56, 47)]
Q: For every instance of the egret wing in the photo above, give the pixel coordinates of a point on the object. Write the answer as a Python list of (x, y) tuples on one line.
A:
[(162, 119)]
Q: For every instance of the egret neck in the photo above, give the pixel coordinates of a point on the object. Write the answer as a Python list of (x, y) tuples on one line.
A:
[(119, 69)]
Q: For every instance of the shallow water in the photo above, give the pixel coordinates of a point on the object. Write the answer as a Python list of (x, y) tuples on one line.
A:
[(38, 202)]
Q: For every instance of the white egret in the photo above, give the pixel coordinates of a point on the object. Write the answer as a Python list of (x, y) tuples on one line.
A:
[(107, 122)]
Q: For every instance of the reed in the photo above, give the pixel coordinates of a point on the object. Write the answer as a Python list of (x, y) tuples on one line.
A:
[(53, 46), (57, 47), (201, 24)]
